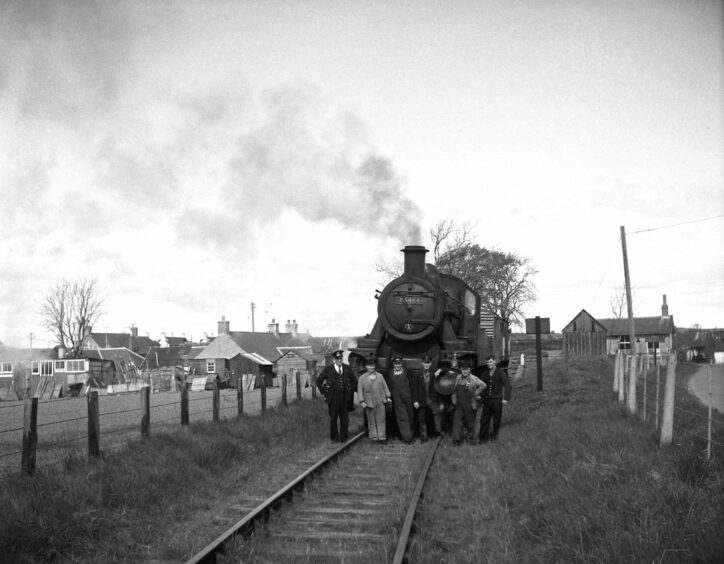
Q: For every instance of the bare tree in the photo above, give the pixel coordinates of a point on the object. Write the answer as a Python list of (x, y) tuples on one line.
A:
[(617, 302), (69, 310)]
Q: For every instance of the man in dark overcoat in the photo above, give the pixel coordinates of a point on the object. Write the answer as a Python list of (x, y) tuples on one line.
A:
[(338, 383), (496, 394), (400, 385)]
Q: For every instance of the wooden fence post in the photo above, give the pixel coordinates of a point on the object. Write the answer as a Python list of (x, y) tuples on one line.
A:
[(644, 373), (184, 403), (240, 396), (658, 375), (622, 379), (313, 383), (298, 379), (146, 411), (284, 389), (30, 435), (632, 383), (708, 430), (616, 370), (215, 401), (263, 392), (94, 425), (667, 421)]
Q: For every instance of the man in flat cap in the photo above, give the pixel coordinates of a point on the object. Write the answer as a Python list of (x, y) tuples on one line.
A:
[(496, 394), (467, 391), (338, 383), (401, 388)]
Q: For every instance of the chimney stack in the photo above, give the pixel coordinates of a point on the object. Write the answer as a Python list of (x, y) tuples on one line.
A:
[(132, 337), (664, 308), (223, 326), (292, 327), (273, 327)]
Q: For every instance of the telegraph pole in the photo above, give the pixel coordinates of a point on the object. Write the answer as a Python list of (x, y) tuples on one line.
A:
[(632, 329), (253, 305)]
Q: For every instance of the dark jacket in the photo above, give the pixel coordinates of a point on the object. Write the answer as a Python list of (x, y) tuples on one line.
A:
[(330, 382), (417, 387), (498, 384)]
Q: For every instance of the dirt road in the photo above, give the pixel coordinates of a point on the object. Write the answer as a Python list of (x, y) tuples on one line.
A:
[(699, 385)]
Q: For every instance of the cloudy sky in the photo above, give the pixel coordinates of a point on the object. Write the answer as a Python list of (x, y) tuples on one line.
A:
[(195, 157)]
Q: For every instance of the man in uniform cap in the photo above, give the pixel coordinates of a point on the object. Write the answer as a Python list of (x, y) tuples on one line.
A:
[(338, 383)]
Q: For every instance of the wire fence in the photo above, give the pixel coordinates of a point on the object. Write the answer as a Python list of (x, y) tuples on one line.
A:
[(691, 406), (62, 425)]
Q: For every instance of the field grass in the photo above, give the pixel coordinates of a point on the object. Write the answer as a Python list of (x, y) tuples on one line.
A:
[(573, 478)]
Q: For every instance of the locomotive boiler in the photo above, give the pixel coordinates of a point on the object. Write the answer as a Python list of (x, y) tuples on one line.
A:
[(423, 312)]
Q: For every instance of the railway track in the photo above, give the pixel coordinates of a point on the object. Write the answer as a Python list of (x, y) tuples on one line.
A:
[(356, 505)]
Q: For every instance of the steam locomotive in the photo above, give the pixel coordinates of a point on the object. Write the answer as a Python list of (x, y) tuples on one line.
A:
[(424, 313)]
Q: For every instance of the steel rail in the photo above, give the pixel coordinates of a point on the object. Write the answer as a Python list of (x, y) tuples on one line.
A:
[(407, 526), (246, 525)]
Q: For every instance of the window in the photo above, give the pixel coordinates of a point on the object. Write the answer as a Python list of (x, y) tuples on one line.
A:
[(624, 343), (210, 366), (35, 367), (6, 367), (653, 347), (46, 368), (60, 366), (75, 365)]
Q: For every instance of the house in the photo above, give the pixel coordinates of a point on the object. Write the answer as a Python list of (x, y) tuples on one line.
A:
[(165, 367), (15, 373), (698, 345), (654, 335), (224, 360), (138, 344), (52, 375)]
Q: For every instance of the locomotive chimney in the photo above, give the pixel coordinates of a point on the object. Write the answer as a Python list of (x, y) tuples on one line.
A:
[(414, 260)]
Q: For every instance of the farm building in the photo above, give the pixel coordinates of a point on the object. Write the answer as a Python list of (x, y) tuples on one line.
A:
[(654, 335), (584, 336)]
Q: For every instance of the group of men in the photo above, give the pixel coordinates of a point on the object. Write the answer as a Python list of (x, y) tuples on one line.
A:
[(401, 402)]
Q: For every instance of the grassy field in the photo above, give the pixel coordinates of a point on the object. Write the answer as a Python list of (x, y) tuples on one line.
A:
[(573, 478)]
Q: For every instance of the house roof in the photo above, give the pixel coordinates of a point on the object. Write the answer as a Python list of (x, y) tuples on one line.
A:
[(221, 347), (268, 345), (642, 325), (118, 355), (175, 341), (304, 353), (568, 328), (163, 357), (141, 343), (12, 354)]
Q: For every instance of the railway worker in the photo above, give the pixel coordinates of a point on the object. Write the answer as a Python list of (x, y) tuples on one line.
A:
[(338, 383), (445, 379), (401, 389), (373, 394), (425, 399), (496, 394), (468, 388)]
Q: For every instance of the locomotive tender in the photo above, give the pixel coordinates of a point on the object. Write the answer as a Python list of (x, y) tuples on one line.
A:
[(423, 312)]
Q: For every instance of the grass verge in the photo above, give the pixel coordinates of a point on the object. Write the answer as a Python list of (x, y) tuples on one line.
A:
[(118, 507), (575, 478)]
